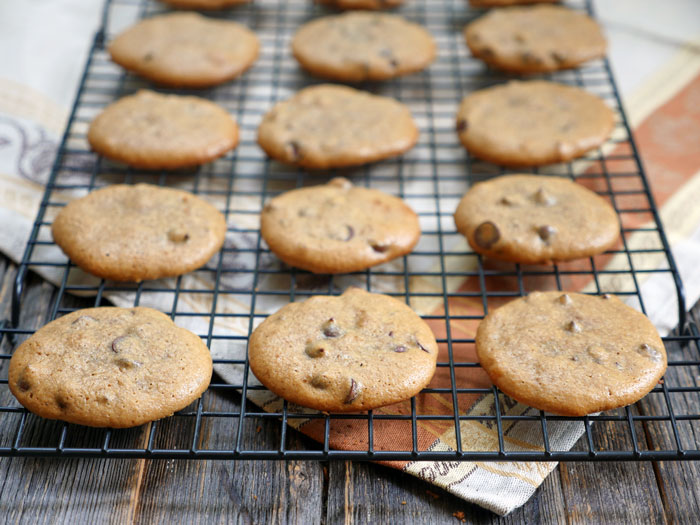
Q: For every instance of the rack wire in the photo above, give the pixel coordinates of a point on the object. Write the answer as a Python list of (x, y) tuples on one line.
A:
[(245, 282)]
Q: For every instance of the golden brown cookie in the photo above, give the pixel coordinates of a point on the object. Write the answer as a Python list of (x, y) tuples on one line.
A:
[(359, 46), (135, 233), (532, 123), (204, 4), (506, 3), (153, 131), (362, 4), (185, 50), (349, 353), (535, 39), (536, 219), (569, 353), (338, 227), (110, 367), (329, 126)]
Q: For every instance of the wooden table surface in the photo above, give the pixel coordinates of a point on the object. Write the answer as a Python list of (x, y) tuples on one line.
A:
[(308, 492)]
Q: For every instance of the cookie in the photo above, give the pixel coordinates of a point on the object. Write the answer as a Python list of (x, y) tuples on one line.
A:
[(185, 50), (535, 39), (203, 4), (135, 233), (338, 227), (506, 3), (359, 46), (110, 367), (571, 354), (532, 123), (362, 4), (535, 219), (153, 131), (329, 126), (350, 353)]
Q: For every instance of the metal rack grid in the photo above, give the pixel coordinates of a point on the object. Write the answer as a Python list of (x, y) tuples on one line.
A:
[(431, 178)]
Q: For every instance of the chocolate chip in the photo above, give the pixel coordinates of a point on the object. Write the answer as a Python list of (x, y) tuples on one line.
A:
[(23, 384), (422, 347), (331, 329), (293, 150), (178, 235), (462, 125), (394, 63), (596, 353), (379, 247), (116, 343), (126, 363), (61, 402), (315, 349), (546, 232), (350, 233), (574, 327), (320, 381), (565, 299), (400, 349), (541, 197), (84, 320), (649, 351), (148, 57), (353, 392), (486, 234), (505, 201), (607, 296), (391, 334)]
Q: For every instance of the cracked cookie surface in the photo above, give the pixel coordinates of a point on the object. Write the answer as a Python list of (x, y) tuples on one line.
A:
[(359, 46), (153, 131), (535, 39), (536, 219), (346, 353), (532, 123), (330, 126), (110, 367), (185, 49), (338, 227), (140, 232), (571, 354)]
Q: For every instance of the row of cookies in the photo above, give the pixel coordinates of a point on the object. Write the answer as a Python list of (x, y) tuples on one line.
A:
[(331, 126), (189, 50)]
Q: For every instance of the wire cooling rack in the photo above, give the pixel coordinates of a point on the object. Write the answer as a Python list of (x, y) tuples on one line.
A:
[(224, 300)]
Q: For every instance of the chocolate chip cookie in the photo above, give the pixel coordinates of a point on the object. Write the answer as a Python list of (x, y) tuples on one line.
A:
[(362, 4), (110, 367), (532, 123), (185, 50), (204, 4), (536, 219), (535, 39), (359, 46), (569, 353), (153, 131), (329, 126), (338, 227), (349, 353), (134, 233)]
